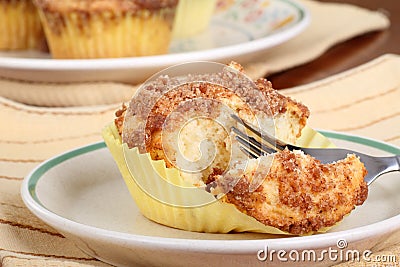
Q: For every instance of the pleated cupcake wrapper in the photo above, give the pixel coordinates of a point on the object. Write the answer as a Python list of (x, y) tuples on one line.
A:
[(164, 197), (20, 26), (192, 17), (108, 35)]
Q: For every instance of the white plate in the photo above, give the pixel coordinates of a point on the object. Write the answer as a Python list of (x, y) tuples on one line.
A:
[(239, 33), (81, 194)]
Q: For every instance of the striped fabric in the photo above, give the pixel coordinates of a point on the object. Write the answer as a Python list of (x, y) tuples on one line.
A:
[(362, 101), (29, 136)]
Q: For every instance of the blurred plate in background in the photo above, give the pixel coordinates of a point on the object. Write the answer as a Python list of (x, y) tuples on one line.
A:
[(240, 33)]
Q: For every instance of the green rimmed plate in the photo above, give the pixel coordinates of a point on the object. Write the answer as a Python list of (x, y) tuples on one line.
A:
[(81, 194)]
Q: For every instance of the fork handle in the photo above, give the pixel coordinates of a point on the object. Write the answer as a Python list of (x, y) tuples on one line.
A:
[(385, 165), (398, 162), (393, 164)]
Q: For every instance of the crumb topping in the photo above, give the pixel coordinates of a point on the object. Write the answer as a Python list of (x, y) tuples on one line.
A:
[(103, 5), (309, 195), (119, 118), (160, 97), (110, 13)]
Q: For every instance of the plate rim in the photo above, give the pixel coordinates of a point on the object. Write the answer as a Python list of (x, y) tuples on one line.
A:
[(273, 39), (200, 245)]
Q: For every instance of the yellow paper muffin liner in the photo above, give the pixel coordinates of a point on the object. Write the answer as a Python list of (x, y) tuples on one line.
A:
[(192, 17), (108, 35), (20, 26), (143, 175)]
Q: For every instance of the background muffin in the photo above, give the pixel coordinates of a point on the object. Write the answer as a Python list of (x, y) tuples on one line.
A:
[(107, 28), (20, 26), (193, 17)]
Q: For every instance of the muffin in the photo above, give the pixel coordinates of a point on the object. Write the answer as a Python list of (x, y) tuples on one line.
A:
[(107, 28), (178, 156), (298, 194), (192, 17), (20, 26)]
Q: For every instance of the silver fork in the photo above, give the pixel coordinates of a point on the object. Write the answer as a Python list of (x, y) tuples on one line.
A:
[(376, 166)]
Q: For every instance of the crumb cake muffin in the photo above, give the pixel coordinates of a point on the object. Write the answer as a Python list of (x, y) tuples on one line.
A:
[(107, 28), (192, 17), (268, 108), (298, 194), (287, 192), (20, 26)]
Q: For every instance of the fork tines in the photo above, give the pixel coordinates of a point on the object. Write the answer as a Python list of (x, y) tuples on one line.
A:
[(251, 146)]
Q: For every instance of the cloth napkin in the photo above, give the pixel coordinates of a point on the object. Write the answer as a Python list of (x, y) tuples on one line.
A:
[(330, 24), (361, 101)]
